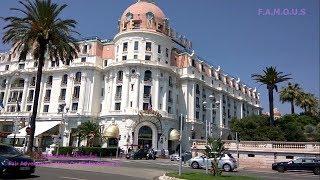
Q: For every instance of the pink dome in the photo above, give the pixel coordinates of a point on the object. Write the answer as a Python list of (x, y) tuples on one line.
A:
[(142, 7)]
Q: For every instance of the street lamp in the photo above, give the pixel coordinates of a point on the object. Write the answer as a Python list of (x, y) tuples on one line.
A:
[(211, 97)]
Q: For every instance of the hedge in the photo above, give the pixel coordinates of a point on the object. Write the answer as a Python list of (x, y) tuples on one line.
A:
[(88, 151)]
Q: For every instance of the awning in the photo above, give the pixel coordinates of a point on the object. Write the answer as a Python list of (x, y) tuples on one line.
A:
[(41, 127)]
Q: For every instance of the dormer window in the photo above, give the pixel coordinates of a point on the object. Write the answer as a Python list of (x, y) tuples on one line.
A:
[(129, 16), (150, 16)]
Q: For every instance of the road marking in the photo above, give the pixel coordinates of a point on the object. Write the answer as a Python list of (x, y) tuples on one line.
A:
[(72, 178)]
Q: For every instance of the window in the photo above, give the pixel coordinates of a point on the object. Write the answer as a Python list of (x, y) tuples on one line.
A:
[(105, 62), (146, 91), (118, 48), (49, 81), (169, 110), (145, 106), (251, 155), (1, 96), (46, 108), (136, 45), (167, 52), (170, 96), (289, 157), (47, 95), (78, 78), (124, 58), (170, 81), (132, 87), (197, 102), (30, 95), (3, 83), (148, 46), (120, 76), (197, 89), (29, 107), (61, 107), (125, 47), (76, 92), (74, 107), (21, 66), (102, 92), (117, 106), (197, 115), (118, 92), (148, 75), (147, 58), (130, 103), (159, 49), (83, 59), (7, 67), (62, 94), (135, 56)]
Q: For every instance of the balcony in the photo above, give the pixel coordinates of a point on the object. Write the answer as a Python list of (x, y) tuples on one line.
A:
[(77, 81), (64, 83), (62, 98), (170, 100), (146, 96), (75, 97), (49, 84), (30, 99)]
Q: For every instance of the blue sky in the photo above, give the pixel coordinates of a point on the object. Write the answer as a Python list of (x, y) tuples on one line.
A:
[(225, 32)]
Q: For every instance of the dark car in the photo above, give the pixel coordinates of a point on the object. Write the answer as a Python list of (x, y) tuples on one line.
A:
[(303, 164), (139, 154), (13, 162)]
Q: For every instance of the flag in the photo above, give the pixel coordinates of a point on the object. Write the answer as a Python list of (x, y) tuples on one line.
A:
[(150, 102)]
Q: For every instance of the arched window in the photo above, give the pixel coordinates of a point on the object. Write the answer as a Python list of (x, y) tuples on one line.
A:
[(147, 75), (120, 76), (33, 81), (78, 77), (64, 80)]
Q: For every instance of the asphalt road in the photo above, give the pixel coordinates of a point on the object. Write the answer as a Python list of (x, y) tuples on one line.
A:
[(44, 173), (146, 169)]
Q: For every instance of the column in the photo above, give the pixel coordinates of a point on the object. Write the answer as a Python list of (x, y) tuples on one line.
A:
[(221, 114), (165, 96), (6, 93), (156, 87), (125, 90), (69, 91), (137, 98), (82, 92), (111, 83), (24, 95)]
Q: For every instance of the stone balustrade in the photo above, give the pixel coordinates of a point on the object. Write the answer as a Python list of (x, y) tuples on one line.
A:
[(266, 146)]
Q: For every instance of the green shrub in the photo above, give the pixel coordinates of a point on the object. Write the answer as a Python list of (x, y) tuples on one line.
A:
[(87, 151), (63, 150)]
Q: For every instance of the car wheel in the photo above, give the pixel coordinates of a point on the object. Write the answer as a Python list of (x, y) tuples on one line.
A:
[(227, 167), (280, 169), (195, 165), (316, 171)]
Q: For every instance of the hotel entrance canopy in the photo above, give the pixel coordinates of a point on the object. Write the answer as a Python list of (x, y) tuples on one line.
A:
[(41, 127)]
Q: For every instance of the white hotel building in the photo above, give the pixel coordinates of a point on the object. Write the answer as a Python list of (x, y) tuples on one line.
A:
[(113, 83)]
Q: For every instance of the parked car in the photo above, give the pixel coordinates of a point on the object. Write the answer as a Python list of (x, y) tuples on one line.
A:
[(14, 162), (139, 154), (151, 154), (226, 162), (307, 164), (185, 156)]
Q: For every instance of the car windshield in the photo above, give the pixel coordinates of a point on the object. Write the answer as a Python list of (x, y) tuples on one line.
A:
[(230, 156), (297, 160), (8, 151)]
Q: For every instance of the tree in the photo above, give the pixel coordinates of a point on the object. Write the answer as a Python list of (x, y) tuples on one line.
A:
[(290, 94), (271, 77), (89, 131), (308, 102), (41, 32), (215, 149)]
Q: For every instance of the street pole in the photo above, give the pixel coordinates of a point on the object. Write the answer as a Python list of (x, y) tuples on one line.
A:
[(207, 144), (237, 149), (180, 150)]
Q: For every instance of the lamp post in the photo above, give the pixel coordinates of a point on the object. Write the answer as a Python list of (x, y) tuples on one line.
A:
[(180, 148), (60, 127), (211, 97)]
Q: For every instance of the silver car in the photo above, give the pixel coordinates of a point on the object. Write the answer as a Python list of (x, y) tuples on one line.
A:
[(226, 162)]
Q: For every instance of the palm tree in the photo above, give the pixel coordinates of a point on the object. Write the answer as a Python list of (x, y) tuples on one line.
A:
[(290, 94), (89, 131), (215, 149), (42, 33), (271, 77), (308, 102)]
